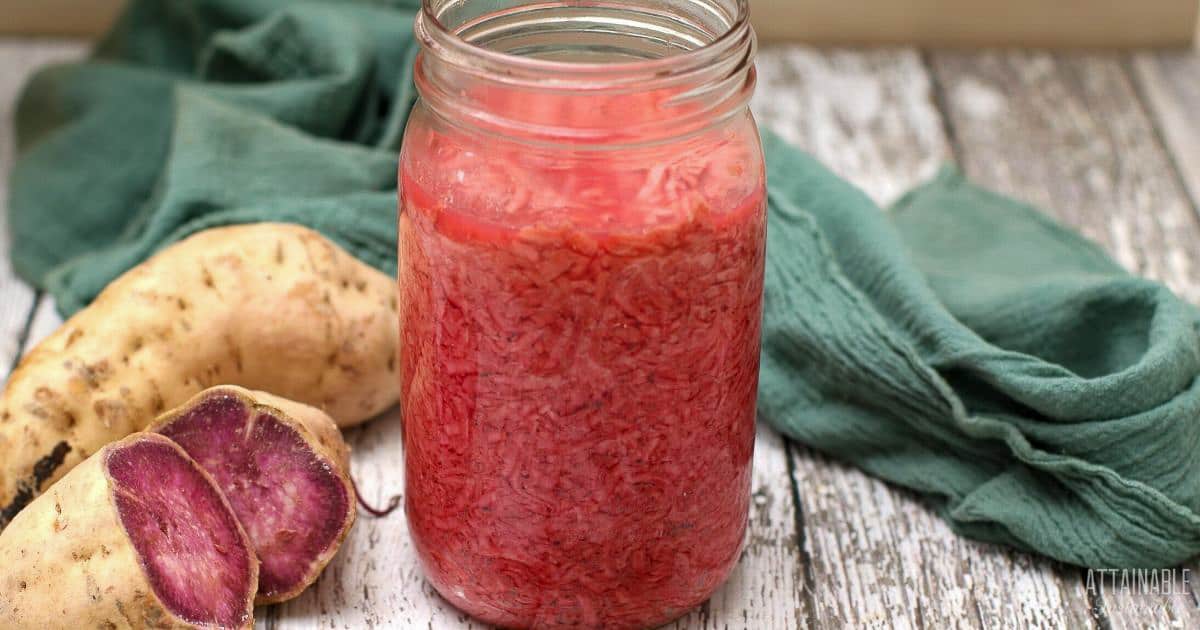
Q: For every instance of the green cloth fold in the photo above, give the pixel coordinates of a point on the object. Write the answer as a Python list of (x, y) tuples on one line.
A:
[(967, 347), (962, 345), (206, 113)]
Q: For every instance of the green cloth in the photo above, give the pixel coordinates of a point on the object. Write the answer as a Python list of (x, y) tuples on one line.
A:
[(967, 347), (962, 345), (195, 114)]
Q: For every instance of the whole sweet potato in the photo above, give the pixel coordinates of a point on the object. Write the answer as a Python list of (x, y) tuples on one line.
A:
[(138, 536), (273, 307)]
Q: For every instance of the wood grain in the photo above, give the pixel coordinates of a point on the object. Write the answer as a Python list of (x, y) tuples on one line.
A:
[(42, 321), (1170, 86), (866, 115), (1069, 134), (880, 558)]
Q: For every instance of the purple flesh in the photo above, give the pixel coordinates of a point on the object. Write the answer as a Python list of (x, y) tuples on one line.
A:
[(186, 538), (289, 500)]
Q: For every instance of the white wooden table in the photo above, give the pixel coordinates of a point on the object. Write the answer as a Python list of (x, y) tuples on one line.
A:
[(1110, 143)]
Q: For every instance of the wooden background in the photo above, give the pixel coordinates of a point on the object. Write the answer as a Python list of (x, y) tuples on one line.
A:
[(1058, 23), (1109, 143)]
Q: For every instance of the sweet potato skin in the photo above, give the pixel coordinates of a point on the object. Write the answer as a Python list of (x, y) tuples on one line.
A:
[(69, 563), (318, 430), (266, 306)]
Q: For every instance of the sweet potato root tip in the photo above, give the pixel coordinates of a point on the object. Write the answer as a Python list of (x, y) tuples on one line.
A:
[(393, 503), (194, 554)]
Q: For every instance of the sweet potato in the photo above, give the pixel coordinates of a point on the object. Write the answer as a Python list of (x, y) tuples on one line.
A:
[(137, 536), (273, 307), (283, 467)]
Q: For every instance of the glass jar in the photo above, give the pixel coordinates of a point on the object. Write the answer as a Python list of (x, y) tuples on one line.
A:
[(581, 245)]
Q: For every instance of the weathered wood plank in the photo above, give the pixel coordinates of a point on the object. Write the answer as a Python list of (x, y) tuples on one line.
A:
[(1069, 134), (19, 58), (1170, 85), (866, 115), (879, 558), (43, 321)]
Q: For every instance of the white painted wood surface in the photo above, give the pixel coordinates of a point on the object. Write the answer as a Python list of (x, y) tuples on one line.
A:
[(1170, 84), (1107, 142), (1069, 134)]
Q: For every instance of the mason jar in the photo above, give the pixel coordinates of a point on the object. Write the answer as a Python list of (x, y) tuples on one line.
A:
[(581, 246)]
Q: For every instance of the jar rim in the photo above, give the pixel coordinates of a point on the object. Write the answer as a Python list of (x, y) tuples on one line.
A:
[(448, 45)]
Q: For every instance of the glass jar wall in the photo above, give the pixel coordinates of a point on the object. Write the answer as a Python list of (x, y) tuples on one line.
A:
[(581, 261)]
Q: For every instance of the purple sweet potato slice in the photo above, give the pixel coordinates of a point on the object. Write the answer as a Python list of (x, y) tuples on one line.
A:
[(183, 531), (137, 535), (283, 467)]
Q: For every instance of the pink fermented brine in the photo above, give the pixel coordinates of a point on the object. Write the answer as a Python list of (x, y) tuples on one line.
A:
[(581, 249)]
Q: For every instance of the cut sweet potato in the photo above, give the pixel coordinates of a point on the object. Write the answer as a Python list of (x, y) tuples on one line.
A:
[(284, 468), (274, 307), (137, 536)]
